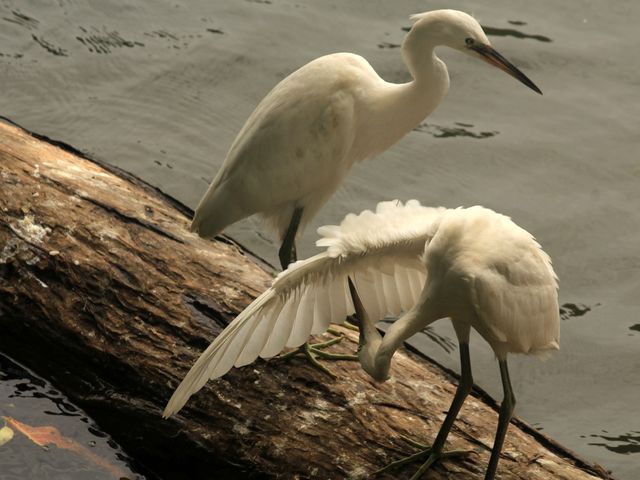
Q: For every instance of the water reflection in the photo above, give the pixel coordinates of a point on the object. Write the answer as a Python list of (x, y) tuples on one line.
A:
[(49, 434), (98, 41), (389, 45), (50, 47), (21, 19), (507, 32), (570, 310), (624, 444), (442, 341), (459, 130), (28, 385), (105, 40), (510, 32)]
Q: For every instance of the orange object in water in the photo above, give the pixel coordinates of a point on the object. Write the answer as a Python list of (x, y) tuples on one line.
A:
[(47, 435)]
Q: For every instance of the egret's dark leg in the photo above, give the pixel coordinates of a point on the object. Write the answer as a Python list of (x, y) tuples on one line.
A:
[(287, 255), (357, 317), (506, 411), (464, 387), (287, 252), (435, 452)]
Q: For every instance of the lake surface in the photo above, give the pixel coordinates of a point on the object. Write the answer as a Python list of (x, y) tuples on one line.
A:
[(160, 88), (76, 450)]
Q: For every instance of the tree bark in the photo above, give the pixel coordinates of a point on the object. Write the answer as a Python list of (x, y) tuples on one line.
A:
[(104, 291)]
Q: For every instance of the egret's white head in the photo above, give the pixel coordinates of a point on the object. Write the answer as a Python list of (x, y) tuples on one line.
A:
[(462, 32)]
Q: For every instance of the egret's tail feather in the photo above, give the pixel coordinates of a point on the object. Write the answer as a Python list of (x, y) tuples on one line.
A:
[(208, 226), (216, 211), (194, 226)]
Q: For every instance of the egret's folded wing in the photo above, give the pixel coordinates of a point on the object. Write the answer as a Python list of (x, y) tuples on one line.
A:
[(386, 269), (517, 301)]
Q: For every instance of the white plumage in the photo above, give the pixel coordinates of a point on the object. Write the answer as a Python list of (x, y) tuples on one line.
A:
[(302, 139), (312, 293), (509, 280), (484, 272)]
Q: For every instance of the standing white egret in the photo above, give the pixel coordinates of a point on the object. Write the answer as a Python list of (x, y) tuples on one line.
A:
[(303, 137), (301, 140), (481, 270)]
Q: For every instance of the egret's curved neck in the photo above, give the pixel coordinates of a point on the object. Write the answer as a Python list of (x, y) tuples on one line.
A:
[(377, 352), (393, 110), (427, 70)]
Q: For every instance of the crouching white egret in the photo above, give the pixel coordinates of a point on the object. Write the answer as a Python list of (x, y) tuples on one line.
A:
[(472, 265), (303, 137)]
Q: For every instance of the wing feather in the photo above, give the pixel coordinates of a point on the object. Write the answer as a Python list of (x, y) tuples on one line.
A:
[(380, 297), (302, 321), (404, 288), (258, 339), (381, 251), (282, 327), (365, 287), (391, 294), (227, 356), (338, 302), (414, 285), (321, 311)]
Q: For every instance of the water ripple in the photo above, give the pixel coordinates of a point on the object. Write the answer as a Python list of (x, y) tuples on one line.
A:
[(23, 20), (104, 41), (570, 310), (459, 130), (624, 444), (510, 32), (389, 45), (507, 32), (61, 438), (49, 47)]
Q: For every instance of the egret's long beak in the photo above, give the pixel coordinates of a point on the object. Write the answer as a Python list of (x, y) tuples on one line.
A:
[(491, 56)]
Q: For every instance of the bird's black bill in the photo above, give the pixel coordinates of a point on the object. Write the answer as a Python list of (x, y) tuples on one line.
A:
[(492, 57)]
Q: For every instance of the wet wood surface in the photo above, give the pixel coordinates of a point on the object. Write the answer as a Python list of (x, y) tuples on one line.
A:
[(105, 292)]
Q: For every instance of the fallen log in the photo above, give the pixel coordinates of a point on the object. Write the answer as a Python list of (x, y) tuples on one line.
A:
[(105, 292)]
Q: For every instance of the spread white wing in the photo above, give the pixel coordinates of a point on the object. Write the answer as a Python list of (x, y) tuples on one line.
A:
[(380, 251)]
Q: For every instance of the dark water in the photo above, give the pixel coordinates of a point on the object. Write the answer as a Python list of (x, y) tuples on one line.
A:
[(84, 452), (160, 88)]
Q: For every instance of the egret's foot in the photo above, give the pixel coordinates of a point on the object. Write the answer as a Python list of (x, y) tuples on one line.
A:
[(351, 323), (427, 454), (415, 443), (314, 352), (316, 348)]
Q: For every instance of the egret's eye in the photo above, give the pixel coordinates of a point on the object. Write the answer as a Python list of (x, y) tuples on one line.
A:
[(469, 41)]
